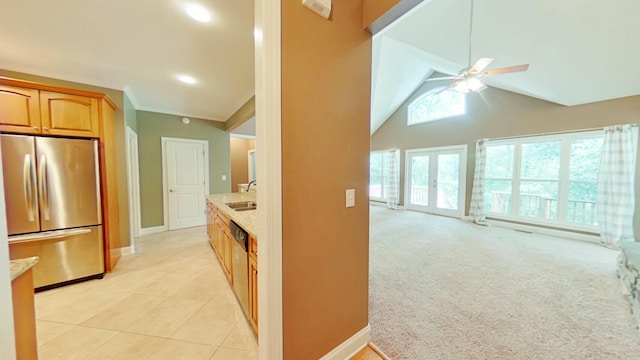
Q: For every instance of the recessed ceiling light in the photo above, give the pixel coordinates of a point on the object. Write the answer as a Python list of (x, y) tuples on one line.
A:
[(198, 12), (186, 79)]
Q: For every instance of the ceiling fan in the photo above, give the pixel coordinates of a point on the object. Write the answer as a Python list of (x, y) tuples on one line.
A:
[(468, 79)]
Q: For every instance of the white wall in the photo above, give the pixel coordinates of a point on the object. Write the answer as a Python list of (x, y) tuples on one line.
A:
[(7, 336)]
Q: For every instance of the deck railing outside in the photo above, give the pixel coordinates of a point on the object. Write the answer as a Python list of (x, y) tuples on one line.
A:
[(544, 207)]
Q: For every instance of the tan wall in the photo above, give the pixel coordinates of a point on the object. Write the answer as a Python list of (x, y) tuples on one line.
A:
[(496, 113), (240, 160), (117, 97), (326, 79)]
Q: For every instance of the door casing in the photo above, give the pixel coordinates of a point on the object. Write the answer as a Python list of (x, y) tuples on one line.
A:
[(462, 189)]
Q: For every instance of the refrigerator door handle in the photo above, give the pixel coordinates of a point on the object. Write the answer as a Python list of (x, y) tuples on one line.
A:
[(47, 235), (43, 187), (28, 176)]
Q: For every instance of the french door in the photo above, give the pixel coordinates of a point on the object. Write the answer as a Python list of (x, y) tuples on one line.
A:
[(436, 180)]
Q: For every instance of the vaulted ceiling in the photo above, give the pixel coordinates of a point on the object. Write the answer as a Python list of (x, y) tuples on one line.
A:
[(140, 46), (579, 51)]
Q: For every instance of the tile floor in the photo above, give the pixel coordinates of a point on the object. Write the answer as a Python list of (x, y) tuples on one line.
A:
[(169, 300)]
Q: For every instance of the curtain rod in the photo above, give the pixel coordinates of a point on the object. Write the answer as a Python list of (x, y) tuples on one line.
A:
[(552, 133)]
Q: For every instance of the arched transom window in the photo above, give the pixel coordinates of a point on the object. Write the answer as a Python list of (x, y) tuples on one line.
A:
[(435, 105)]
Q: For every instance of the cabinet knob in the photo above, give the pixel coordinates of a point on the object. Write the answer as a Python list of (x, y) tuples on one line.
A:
[(36, 128), (45, 128)]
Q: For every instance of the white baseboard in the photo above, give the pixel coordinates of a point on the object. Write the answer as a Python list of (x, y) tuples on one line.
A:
[(545, 231), (127, 250), (152, 230), (351, 346), (384, 204)]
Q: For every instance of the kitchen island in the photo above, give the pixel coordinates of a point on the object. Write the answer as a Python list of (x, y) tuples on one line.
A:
[(237, 252), (24, 316)]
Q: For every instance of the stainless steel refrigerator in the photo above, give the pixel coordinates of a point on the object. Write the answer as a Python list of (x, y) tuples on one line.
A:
[(52, 197)]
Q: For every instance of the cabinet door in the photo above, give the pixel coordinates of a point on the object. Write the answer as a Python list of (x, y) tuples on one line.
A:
[(69, 115), (217, 238), (19, 110), (253, 292), (227, 256)]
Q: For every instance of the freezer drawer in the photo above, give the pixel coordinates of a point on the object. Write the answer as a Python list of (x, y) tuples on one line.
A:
[(64, 255)]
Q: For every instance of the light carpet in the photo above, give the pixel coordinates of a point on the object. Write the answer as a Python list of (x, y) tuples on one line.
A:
[(442, 288)]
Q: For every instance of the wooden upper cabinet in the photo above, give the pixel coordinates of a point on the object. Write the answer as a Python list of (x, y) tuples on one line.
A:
[(19, 110), (69, 115)]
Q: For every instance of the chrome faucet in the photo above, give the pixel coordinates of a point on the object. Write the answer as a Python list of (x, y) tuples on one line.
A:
[(250, 183)]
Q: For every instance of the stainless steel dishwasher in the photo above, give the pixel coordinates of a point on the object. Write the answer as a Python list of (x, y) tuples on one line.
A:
[(240, 265)]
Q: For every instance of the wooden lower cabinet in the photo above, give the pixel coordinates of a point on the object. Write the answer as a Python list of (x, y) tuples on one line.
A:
[(222, 242), (253, 292), (24, 318), (227, 256), (220, 239)]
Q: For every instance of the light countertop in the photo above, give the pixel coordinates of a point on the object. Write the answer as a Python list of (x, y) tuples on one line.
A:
[(19, 266), (246, 219)]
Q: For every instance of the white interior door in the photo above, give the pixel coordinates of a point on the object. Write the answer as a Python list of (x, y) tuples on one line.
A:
[(436, 180), (186, 181)]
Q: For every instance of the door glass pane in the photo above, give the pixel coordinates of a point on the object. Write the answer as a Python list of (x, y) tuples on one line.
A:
[(420, 180), (375, 175), (539, 199), (448, 181), (375, 187)]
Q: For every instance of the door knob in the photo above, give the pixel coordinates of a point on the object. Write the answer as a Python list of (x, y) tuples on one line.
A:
[(172, 190)]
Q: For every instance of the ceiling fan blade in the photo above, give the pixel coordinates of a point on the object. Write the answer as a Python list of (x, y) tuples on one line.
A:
[(505, 70), (442, 78), (480, 65)]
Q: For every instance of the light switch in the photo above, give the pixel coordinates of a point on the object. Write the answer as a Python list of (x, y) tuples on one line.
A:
[(224, 177), (351, 197)]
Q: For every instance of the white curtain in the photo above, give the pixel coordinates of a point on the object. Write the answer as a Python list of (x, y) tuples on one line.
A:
[(616, 182), (476, 209), (393, 194)]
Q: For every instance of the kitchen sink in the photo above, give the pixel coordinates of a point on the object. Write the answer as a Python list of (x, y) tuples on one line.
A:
[(242, 205)]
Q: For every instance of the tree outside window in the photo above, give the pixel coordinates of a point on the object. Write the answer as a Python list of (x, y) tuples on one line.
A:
[(435, 105)]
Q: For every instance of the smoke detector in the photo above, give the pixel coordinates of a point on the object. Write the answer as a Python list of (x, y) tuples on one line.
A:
[(321, 7)]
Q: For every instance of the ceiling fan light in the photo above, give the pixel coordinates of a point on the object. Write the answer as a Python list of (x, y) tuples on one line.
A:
[(463, 87), (475, 85)]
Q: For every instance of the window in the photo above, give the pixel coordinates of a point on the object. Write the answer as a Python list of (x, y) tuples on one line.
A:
[(435, 105), (380, 173), (544, 179)]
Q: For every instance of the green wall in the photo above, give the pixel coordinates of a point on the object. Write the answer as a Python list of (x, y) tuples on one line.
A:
[(130, 115), (151, 128)]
